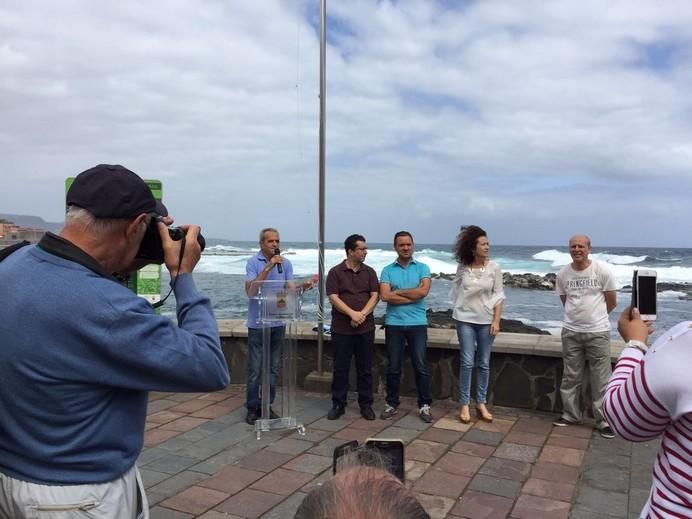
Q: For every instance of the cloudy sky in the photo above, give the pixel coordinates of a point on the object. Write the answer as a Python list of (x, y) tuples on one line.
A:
[(533, 119)]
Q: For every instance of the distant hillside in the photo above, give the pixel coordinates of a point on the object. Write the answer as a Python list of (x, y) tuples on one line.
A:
[(35, 222)]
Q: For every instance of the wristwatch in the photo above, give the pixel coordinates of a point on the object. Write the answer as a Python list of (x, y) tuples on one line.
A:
[(641, 346)]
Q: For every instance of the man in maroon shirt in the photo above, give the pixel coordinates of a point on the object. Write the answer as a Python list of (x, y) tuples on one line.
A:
[(353, 290)]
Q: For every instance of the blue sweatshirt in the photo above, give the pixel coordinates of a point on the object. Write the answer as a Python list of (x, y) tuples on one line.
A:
[(78, 354)]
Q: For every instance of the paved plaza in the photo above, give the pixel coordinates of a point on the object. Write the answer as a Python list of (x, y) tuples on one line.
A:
[(202, 460)]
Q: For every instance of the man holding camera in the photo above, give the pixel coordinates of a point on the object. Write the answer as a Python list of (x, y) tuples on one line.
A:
[(266, 265), (79, 352), (587, 291)]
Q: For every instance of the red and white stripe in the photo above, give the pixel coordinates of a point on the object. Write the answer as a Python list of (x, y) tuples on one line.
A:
[(636, 413)]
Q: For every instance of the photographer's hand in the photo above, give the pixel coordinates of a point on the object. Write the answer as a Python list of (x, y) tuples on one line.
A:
[(171, 250), (631, 326)]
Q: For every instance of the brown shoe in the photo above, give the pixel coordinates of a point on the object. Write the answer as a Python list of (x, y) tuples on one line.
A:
[(483, 413), (464, 414)]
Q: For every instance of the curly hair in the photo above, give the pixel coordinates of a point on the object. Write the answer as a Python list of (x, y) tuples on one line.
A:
[(465, 245)]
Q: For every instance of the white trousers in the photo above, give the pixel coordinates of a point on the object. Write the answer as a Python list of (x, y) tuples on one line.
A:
[(122, 498)]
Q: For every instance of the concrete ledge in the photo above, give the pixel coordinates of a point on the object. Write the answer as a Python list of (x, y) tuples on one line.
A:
[(512, 343)]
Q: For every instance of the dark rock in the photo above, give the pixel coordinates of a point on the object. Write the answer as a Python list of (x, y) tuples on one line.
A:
[(535, 365), (443, 319), (512, 387), (544, 385)]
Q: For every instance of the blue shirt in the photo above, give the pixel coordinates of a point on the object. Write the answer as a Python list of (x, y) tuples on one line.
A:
[(254, 266), (399, 277)]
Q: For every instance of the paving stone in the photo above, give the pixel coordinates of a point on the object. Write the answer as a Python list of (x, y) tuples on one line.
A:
[(607, 478), (412, 422), (310, 463), (414, 470), (484, 437), (439, 483), (183, 424), (235, 416), (493, 485), (605, 459), (426, 451), (641, 476), (555, 472), (532, 507), (319, 480), (154, 437), (370, 425), (196, 434), (190, 406), (572, 442), (165, 513), (497, 425), (163, 417), (446, 436), (253, 503), (473, 449), (184, 397), (550, 489), (149, 455), (601, 501), (160, 405), (352, 433), (452, 424), (153, 498), (152, 477), (526, 438), (507, 469), (264, 460), (406, 435), (215, 514), (566, 456), (326, 447), (232, 479), (645, 453), (459, 464), (287, 509), (175, 484), (282, 481), (331, 425), (533, 425), (311, 435), (171, 463), (194, 500), (579, 512), (517, 452), (610, 446), (174, 444), (213, 411), (436, 506), (290, 446), (578, 431), (637, 499), (479, 505)]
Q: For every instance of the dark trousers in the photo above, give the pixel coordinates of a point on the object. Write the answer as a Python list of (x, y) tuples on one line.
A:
[(344, 347), (396, 339)]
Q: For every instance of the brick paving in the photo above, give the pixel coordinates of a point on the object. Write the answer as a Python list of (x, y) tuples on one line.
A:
[(202, 460)]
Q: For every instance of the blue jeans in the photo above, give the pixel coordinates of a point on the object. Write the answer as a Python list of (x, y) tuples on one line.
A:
[(396, 338), (254, 363), (344, 347), (474, 341)]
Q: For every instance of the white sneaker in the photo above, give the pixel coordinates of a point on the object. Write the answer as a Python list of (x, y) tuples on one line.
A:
[(425, 414)]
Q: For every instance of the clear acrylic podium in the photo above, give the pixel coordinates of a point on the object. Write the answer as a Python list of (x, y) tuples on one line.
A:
[(279, 302)]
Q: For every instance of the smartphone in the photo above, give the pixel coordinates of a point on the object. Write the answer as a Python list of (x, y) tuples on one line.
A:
[(644, 293), (393, 453), (342, 450)]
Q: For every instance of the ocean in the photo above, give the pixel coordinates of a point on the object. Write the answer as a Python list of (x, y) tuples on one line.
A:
[(220, 274)]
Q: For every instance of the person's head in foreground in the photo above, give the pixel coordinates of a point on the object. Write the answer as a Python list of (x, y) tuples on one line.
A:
[(361, 492)]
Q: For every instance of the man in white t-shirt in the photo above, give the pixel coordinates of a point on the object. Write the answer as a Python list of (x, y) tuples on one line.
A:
[(587, 290)]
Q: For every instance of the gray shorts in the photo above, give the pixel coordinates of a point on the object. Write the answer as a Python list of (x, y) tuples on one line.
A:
[(122, 498)]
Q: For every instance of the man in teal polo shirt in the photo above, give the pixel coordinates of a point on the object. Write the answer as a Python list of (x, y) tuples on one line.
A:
[(404, 285)]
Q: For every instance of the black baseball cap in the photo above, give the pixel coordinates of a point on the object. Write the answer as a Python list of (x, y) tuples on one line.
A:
[(111, 191)]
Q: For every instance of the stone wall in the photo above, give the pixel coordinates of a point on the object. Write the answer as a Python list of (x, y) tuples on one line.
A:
[(525, 370)]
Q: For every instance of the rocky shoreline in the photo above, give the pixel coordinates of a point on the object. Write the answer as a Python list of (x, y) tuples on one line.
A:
[(547, 282), (443, 319)]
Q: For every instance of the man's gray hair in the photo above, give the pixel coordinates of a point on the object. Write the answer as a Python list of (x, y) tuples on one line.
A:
[(266, 230), (82, 217)]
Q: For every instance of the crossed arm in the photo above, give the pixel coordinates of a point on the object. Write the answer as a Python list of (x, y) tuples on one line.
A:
[(404, 296)]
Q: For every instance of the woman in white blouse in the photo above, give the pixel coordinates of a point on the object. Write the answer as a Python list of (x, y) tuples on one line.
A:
[(477, 297)]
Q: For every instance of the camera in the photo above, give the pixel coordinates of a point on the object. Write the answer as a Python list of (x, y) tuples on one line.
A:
[(151, 248)]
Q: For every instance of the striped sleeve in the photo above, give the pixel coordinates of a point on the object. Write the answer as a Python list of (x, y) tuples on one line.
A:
[(629, 406)]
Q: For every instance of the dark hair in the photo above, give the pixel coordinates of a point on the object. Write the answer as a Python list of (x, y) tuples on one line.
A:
[(350, 243), (402, 233), (465, 245), (361, 492)]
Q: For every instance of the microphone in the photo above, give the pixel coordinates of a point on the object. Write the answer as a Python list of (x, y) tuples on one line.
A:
[(279, 267)]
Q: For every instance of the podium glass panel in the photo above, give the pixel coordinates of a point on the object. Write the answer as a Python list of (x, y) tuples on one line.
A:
[(277, 303)]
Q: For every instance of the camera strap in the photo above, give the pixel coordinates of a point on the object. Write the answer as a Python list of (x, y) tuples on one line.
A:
[(159, 304), (9, 250)]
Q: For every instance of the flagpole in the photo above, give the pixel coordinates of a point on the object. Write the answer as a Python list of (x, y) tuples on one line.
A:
[(320, 267)]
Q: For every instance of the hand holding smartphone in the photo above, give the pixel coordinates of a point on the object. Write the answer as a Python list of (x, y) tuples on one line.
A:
[(644, 293)]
